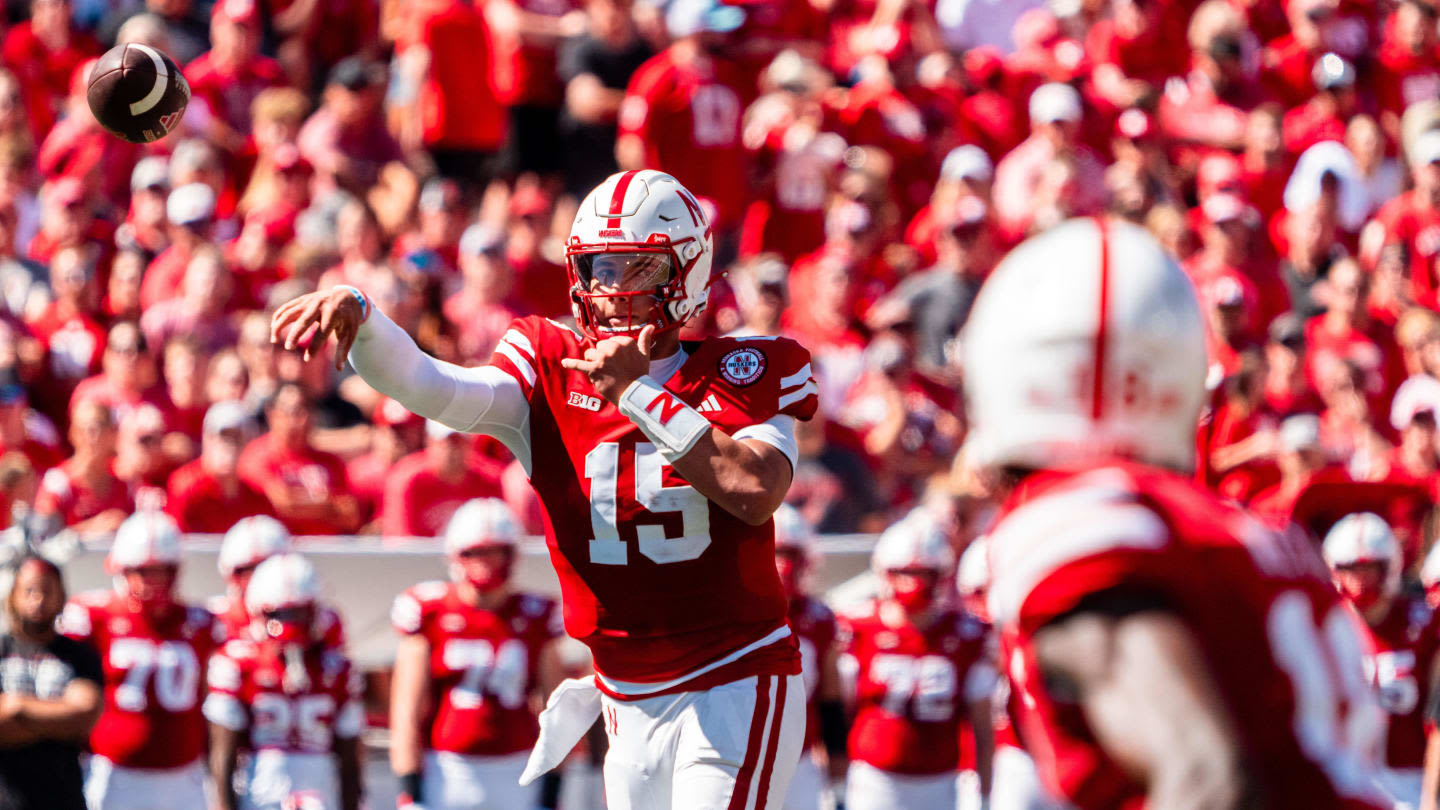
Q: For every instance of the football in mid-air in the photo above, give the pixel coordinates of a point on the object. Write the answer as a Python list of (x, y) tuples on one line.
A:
[(137, 93)]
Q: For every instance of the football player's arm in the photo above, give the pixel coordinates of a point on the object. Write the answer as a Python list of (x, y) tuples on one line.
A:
[(747, 478), (68, 717), (408, 686), (981, 716), (224, 753), (1430, 779), (550, 671), (483, 399), (834, 724), (1146, 693)]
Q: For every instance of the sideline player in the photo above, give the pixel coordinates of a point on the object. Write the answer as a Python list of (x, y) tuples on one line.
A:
[(290, 699), (248, 543), (796, 558), (1174, 652), (658, 466), (924, 669), (148, 741), (1404, 635), (474, 657)]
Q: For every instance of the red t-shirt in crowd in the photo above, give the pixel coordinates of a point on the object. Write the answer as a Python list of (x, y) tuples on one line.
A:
[(1416, 226), (63, 493), (419, 503), (367, 475), (44, 74), (527, 73), (230, 90), (457, 100), (77, 147), (74, 344), (688, 116), (121, 402), (320, 475), (1372, 349), (199, 503), (1403, 77)]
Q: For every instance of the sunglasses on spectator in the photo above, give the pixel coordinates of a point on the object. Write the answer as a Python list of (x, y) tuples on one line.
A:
[(126, 349), (149, 439)]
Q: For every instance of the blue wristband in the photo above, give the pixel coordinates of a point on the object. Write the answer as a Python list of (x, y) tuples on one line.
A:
[(359, 296)]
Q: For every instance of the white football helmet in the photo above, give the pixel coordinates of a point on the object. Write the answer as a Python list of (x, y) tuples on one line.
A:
[(1430, 569), (916, 542), (1086, 342), (660, 238), (972, 577), (1365, 537), (481, 522), (144, 538), (283, 581), (793, 530), (251, 541)]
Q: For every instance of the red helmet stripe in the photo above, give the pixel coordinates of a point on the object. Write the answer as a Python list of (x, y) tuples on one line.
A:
[(1097, 401), (617, 200)]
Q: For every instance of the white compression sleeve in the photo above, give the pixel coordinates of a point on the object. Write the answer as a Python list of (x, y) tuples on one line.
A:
[(483, 399)]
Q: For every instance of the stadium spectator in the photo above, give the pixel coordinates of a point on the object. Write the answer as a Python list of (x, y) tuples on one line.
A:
[(207, 495), (596, 67), (50, 694), (127, 376), (1416, 459), (15, 435), (346, 139), (1055, 116), (424, 489), (122, 293), (1346, 332), (77, 147), (190, 210), (82, 492), (66, 327), (229, 76), (395, 434), (481, 308), (541, 286), (306, 486), (276, 115), (1211, 107), (140, 460), (1287, 387), (200, 309), (44, 51)]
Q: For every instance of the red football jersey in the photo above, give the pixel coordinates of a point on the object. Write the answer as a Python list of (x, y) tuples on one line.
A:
[(248, 692), (1399, 654), (1282, 648), (913, 687), (236, 624), (483, 666), (154, 678), (815, 632), (657, 580)]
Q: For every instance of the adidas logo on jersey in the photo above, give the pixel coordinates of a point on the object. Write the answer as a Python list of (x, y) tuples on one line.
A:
[(709, 405)]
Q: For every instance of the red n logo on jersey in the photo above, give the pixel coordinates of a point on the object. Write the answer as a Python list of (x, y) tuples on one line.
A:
[(669, 406)]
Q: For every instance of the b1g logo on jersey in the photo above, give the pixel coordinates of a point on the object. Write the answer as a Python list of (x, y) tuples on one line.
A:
[(580, 400), (742, 366)]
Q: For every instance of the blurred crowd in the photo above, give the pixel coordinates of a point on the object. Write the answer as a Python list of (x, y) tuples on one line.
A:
[(865, 163)]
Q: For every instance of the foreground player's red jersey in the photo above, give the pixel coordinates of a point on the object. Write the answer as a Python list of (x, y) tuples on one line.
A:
[(249, 693), (815, 632), (236, 623), (1281, 647), (483, 666), (912, 688), (657, 580), (154, 678), (1399, 655)]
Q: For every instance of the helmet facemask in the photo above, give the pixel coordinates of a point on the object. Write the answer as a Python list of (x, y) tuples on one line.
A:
[(619, 289)]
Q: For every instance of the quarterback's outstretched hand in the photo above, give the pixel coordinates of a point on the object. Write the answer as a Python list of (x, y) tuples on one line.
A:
[(308, 320), (614, 363)]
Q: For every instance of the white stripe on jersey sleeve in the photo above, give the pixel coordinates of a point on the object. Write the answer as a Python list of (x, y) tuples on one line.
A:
[(798, 394), (225, 711), (1100, 514), (522, 363), (795, 379), (518, 339)]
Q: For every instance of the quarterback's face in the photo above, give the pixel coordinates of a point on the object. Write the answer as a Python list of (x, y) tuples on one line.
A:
[(617, 283)]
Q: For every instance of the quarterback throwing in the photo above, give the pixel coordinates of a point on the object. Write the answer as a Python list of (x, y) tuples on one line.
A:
[(658, 466)]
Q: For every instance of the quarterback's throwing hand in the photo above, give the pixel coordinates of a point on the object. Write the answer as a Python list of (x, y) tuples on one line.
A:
[(308, 320), (614, 363)]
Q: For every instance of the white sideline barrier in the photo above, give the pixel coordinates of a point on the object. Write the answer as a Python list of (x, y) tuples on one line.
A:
[(363, 575)]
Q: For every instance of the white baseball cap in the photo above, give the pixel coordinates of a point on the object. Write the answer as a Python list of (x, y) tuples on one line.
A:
[(968, 162), (1300, 432), (1415, 396), (190, 204), (1053, 102), (1425, 148)]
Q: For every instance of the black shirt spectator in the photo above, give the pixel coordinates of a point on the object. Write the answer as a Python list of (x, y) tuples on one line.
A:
[(596, 69), (50, 690)]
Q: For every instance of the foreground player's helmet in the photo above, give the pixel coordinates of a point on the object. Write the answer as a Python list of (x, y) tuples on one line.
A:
[(251, 541), (1086, 342), (972, 577), (796, 554), (145, 539), (911, 557), (1356, 539), (639, 233), (281, 598), (482, 523)]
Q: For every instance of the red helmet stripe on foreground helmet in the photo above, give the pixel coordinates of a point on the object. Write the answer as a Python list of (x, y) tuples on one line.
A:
[(1097, 400), (617, 202)]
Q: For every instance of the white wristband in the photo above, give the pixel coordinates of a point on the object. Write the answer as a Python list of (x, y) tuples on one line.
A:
[(670, 423)]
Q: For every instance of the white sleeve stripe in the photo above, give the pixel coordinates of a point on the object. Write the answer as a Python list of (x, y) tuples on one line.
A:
[(516, 338), (795, 379), (515, 356), (225, 711), (799, 394)]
